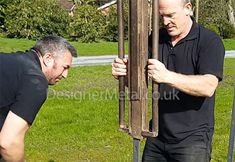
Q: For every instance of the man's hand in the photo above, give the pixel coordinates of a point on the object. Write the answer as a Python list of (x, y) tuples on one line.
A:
[(157, 71), (119, 67)]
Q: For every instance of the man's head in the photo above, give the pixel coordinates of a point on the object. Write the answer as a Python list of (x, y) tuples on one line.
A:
[(176, 16), (55, 55)]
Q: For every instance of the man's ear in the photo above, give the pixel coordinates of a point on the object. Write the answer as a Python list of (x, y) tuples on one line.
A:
[(188, 9), (48, 60)]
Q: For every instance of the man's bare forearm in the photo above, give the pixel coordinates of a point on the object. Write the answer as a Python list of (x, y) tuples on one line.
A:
[(13, 153), (196, 85)]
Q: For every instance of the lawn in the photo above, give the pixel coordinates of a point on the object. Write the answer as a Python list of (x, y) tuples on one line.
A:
[(229, 44), (79, 121), (84, 49)]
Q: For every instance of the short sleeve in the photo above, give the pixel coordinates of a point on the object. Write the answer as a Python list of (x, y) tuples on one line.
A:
[(32, 93), (211, 57)]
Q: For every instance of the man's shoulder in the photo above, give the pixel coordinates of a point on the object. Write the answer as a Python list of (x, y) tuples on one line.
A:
[(209, 39), (207, 34), (29, 64)]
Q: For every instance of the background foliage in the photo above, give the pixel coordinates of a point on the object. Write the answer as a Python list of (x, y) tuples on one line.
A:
[(87, 24), (33, 19), (111, 32), (213, 14)]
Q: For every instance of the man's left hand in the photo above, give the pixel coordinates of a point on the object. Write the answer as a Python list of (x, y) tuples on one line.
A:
[(157, 71)]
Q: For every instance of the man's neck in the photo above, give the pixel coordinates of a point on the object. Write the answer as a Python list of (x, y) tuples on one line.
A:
[(176, 39)]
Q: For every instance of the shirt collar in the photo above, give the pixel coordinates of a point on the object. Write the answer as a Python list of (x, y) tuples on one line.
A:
[(36, 56), (193, 33)]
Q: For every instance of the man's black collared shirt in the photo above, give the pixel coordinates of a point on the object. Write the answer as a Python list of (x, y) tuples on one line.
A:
[(23, 86), (200, 52)]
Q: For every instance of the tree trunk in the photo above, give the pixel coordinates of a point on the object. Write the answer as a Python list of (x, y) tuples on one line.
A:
[(231, 13)]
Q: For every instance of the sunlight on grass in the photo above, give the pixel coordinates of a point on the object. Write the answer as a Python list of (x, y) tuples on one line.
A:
[(79, 121), (84, 49), (229, 44)]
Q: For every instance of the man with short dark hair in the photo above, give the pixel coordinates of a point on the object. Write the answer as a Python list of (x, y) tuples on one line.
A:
[(188, 71), (24, 79)]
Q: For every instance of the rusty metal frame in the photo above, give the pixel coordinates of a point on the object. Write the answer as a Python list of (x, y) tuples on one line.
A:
[(137, 75), (138, 122)]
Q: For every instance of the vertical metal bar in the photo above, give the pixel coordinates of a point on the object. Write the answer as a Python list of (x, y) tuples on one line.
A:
[(136, 150), (150, 12), (138, 45), (197, 10), (134, 77), (133, 62), (232, 134), (155, 45), (138, 48), (121, 55)]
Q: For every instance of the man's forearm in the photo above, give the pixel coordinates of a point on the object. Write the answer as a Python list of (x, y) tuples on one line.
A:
[(196, 85), (12, 138), (13, 153)]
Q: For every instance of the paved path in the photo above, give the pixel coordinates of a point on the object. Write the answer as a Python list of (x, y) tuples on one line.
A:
[(93, 60), (108, 59), (230, 54)]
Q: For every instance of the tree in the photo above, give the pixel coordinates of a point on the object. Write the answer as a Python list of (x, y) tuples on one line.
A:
[(87, 24), (35, 18), (231, 12), (214, 15), (111, 32), (3, 5)]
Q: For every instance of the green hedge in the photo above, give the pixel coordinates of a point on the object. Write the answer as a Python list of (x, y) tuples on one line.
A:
[(33, 19), (213, 15), (111, 32), (87, 24)]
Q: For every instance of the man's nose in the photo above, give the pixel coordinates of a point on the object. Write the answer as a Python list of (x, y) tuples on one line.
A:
[(65, 73), (166, 21)]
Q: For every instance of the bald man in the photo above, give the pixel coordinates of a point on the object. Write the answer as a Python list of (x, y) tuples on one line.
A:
[(188, 71)]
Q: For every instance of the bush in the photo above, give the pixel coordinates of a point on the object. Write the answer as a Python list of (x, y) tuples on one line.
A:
[(35, 18), (2, 15), (87, 24), (111, 32), (227, 30), (3, 4), (213, 27), (213, 14)]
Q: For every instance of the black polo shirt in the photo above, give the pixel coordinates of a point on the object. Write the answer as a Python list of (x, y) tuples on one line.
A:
[(200, 52), (23, 86)]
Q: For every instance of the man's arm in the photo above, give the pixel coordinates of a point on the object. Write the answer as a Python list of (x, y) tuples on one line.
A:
[(12, 138), (196, 85)]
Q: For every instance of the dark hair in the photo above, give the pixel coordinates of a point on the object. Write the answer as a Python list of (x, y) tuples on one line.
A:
[(56, 45)]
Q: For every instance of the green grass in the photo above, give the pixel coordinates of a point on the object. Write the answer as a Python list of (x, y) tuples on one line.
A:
[(79, 121), (223, 112), (102, 48), (229, 44), (84, 49)]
